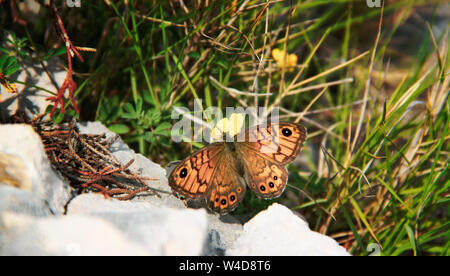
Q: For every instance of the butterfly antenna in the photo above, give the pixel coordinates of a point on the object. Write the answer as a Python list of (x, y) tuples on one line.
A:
[(329, 179), (311, 198), (325, 152)]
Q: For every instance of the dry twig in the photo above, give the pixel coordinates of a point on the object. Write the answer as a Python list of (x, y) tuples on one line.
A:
[(84, 159)]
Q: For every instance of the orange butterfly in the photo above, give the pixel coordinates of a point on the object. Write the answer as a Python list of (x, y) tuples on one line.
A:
[(220, 172)]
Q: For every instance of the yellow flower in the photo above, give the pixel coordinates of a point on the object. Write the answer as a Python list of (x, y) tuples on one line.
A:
[(232, 125), (10, 87), (291, 59)]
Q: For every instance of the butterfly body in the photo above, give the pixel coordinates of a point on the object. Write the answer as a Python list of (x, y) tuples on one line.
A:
[(221, 172)]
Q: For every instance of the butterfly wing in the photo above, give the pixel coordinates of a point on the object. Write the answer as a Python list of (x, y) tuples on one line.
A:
[(264, 177), (279, 142), (227, 188), (209, 173), (267, 149), (192, 176)]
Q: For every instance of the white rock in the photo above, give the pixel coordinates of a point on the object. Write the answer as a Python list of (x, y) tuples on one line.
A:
[(63, 235), (223, 231), (30, 99), (13, 172), (21, 201), (21, 142), (278, 231), (161, 230)]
